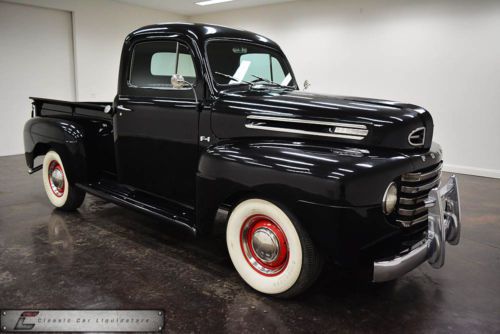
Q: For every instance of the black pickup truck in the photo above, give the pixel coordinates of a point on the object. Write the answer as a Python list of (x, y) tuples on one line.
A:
[(209, 129)]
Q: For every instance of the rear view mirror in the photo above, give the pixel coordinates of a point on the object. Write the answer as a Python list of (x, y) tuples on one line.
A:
[(178, 81), (307, 84)]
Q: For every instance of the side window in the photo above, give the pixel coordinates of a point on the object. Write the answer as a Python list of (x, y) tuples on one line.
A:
[(154, 63)]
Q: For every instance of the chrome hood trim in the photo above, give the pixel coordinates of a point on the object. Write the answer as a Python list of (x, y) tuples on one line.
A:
[(286, 124)]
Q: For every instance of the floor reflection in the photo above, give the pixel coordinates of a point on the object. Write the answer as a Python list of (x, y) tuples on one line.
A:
[(60, 238)]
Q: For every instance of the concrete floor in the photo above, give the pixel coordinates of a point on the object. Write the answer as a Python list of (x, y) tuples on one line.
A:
[(105, 256)]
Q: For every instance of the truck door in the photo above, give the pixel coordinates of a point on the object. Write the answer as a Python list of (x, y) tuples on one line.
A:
[(156, 125)]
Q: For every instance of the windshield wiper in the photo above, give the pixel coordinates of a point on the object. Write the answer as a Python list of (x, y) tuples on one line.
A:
[(233, 78), (269, 81)]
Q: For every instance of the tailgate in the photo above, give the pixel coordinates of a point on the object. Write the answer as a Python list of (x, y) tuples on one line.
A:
[(58, 108)]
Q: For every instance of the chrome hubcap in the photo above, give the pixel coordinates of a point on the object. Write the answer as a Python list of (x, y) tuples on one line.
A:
[(265, 244), (56, 178)]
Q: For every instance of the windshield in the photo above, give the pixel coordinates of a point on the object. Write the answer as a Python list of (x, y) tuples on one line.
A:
[(233, 62)]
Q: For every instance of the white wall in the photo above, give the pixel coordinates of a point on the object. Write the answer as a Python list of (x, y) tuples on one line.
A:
[(99, 29), (441, 54), (36, 62)]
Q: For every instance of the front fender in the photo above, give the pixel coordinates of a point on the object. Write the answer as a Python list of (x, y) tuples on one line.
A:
[(324, 186), (328, 175)]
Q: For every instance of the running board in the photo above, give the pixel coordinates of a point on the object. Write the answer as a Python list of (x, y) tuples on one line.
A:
[(162, 209)]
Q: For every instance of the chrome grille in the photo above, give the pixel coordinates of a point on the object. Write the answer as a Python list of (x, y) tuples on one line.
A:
[(414, 189)]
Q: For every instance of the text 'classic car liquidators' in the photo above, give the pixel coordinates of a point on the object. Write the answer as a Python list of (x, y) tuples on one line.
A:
[(209, 128)]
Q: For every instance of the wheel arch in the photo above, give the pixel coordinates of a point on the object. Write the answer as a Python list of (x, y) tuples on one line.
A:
[(222, 183), (227, 205), (42, 135)]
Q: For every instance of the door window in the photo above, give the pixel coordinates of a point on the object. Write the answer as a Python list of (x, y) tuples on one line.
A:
[(154, 63)]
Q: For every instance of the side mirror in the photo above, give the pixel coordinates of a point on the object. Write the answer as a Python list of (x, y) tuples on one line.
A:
[(307, 84), (178, 81)]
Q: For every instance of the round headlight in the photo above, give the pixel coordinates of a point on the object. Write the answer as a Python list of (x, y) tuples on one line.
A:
[(390, 198)]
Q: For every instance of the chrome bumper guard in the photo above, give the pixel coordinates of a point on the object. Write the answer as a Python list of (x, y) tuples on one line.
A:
[(444, 226)]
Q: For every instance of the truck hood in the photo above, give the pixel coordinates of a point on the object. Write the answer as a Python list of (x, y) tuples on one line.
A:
[(282, 113)]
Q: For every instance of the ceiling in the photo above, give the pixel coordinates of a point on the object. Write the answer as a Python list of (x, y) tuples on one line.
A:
[(188, 7)]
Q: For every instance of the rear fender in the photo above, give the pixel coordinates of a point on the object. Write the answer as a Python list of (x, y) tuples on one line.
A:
[(63, 136)]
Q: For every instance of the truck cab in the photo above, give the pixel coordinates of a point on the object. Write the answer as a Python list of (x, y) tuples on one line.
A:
[(209, 129)]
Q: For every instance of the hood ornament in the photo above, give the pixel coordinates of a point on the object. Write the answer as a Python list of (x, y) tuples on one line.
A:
[(417, 137)]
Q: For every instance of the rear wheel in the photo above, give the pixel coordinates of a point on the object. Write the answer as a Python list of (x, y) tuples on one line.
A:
[(61, 193), (270, 250)]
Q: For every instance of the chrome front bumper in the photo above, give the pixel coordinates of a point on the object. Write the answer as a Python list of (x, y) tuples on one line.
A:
[(444, 226)]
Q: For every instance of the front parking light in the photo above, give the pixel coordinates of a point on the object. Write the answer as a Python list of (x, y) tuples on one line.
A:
[(390, 198)]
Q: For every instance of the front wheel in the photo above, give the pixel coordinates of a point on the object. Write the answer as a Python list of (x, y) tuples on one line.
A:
[(270, 250), (61, 193)]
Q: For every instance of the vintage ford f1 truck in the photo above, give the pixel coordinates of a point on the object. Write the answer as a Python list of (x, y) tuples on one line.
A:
[(209, 129)]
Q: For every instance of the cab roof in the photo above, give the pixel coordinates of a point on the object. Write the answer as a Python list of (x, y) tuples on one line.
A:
[(200, 32)]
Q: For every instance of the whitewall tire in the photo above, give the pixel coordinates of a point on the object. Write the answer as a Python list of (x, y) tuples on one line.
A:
[(270, 250), (61, 193)]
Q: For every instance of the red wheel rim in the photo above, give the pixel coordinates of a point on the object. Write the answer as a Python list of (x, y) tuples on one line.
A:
[(56, 178), (264, 245)]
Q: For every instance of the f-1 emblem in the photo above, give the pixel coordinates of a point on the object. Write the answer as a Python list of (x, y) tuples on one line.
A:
[(205, 138)]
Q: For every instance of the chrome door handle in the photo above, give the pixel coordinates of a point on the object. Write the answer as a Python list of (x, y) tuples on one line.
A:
[(121, 109)]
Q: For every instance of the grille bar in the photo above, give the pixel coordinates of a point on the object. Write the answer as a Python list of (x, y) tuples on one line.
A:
[(411, 222), (412, 212), (420, 188), (414, 189), (412, 201), (419, 176)]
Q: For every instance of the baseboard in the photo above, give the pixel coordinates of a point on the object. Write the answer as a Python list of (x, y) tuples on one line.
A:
[(10, 155), (495, 173)]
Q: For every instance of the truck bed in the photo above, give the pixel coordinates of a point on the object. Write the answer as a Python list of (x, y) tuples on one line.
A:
[(59, 108), (48, 127)]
